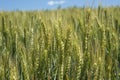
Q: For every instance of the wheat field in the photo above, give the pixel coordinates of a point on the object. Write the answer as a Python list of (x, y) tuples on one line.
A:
[(64, 44)]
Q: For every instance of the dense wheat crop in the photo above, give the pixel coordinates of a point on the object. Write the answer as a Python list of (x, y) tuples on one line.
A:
[(66, 44)]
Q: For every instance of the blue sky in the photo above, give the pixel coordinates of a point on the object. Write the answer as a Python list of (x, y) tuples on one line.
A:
[(50, 4)]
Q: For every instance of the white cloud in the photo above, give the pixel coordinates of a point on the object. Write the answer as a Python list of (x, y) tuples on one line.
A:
[(51, 3)]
